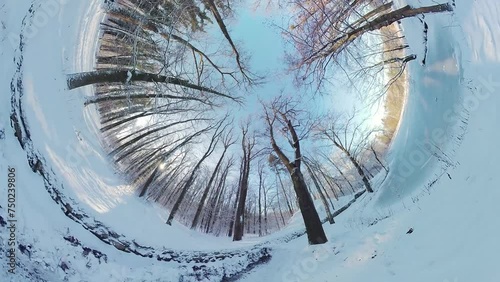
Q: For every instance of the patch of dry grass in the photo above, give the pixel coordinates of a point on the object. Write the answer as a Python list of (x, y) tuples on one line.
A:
[(396, 92)]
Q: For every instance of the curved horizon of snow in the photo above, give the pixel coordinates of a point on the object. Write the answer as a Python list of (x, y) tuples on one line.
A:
[(41, 225), (427, 134), (66, 135), (65, 132), (455, 227), (442, 226)]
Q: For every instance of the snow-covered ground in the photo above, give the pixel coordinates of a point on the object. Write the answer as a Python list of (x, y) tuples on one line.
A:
[(41, 42), (447, 198), (445, 194), (65, 134)]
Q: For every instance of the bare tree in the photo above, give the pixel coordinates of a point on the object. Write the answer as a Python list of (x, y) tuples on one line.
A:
[(214, 7), (275, 163), (349, 138), (279, 114), (376, 155), (320, 192), (227, 141), (217, 201), (248, 147), (264, 194), (323, 30), (260, 172), (337, 167), (219, 128), (132, 52), (157, 84)]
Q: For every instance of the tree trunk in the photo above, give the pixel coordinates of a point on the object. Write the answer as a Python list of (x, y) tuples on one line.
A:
[(378, 159), (218, 199), (266, 227), (192, 176), (279, 206), (340, 171), (396, 15), (367, 171), (260, 204), (276, 217), (183, 193), (361, 172), (205, 193), (247, 145), (323, 198), (240, 216), (382, 21), (148, 182), (330, 183), (314, 229), (231, 223), (290, 209), (124, 76)]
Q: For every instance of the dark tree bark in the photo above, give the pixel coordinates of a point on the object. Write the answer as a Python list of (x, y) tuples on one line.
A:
[(261, 184), (201, 204), (323, 197), (233, 210), (125, 76), (148, 182), (266, 227), (247, 144), (314, 228), (378, 159), (358, 167)]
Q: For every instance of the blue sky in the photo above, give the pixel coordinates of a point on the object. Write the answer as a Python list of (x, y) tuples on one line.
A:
[(256, 34)]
